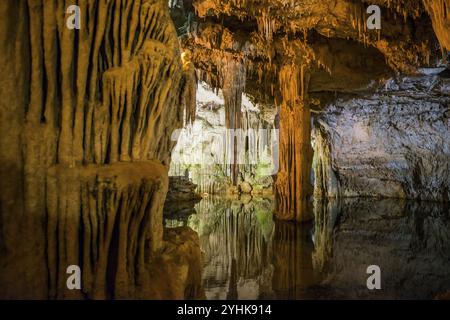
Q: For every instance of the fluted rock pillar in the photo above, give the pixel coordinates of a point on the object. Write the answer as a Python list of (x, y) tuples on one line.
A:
[(293, 185)]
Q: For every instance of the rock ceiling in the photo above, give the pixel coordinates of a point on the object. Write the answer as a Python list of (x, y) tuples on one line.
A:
[(329, 38)]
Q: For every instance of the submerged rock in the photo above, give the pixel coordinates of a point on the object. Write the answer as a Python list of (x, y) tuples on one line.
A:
[(182, 189), (393, 143)]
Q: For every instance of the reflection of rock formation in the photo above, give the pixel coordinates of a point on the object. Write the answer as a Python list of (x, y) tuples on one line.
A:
[(292, 252), (409, 241), (83, 114), (293, 183), (235, 237), (326, 215), (247, 255), (394, 143)]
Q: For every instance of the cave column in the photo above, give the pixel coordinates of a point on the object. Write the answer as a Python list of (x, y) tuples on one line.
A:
[(234, 74), (293, 186)]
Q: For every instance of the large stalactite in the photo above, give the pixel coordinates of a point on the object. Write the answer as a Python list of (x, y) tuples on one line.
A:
[(439, 11)]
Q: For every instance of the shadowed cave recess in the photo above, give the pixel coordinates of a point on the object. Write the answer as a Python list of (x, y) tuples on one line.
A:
[(225, 149)]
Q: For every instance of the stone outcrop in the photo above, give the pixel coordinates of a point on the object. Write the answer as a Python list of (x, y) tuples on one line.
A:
[(181, 189), (86, 123), (393, 143), (181, 198)]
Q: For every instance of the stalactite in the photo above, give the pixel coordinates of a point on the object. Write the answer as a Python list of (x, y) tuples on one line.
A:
[(190, 87), (439, 11), (293, 269), (267, 26), (234, 77)]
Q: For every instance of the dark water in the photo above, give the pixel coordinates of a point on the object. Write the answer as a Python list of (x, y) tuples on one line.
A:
[(247, 255)]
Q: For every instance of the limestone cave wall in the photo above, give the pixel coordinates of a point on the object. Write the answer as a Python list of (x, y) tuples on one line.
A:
[(392, 143)]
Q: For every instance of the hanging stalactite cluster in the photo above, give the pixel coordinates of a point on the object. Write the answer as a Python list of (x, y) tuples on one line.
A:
[(439, 11)]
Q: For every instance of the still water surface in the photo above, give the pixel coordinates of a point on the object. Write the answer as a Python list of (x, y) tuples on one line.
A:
[(247, 255)]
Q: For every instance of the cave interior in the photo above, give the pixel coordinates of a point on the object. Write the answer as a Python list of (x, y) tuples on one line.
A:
[(224, 149)]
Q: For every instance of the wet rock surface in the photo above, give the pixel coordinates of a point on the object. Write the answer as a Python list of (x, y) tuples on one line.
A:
[(182, 189), (393, 143)]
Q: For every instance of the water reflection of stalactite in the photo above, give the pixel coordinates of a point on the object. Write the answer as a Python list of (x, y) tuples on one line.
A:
[(247, 257), (326, 213), (235, 237), (232, 286), (293, 268)]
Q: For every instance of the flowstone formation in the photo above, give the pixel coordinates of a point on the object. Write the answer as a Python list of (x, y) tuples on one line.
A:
[(296, 55), (86, 121)]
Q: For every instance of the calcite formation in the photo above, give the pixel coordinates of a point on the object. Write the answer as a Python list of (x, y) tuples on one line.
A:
[(119, 210), (86, 123), (440, 15)]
